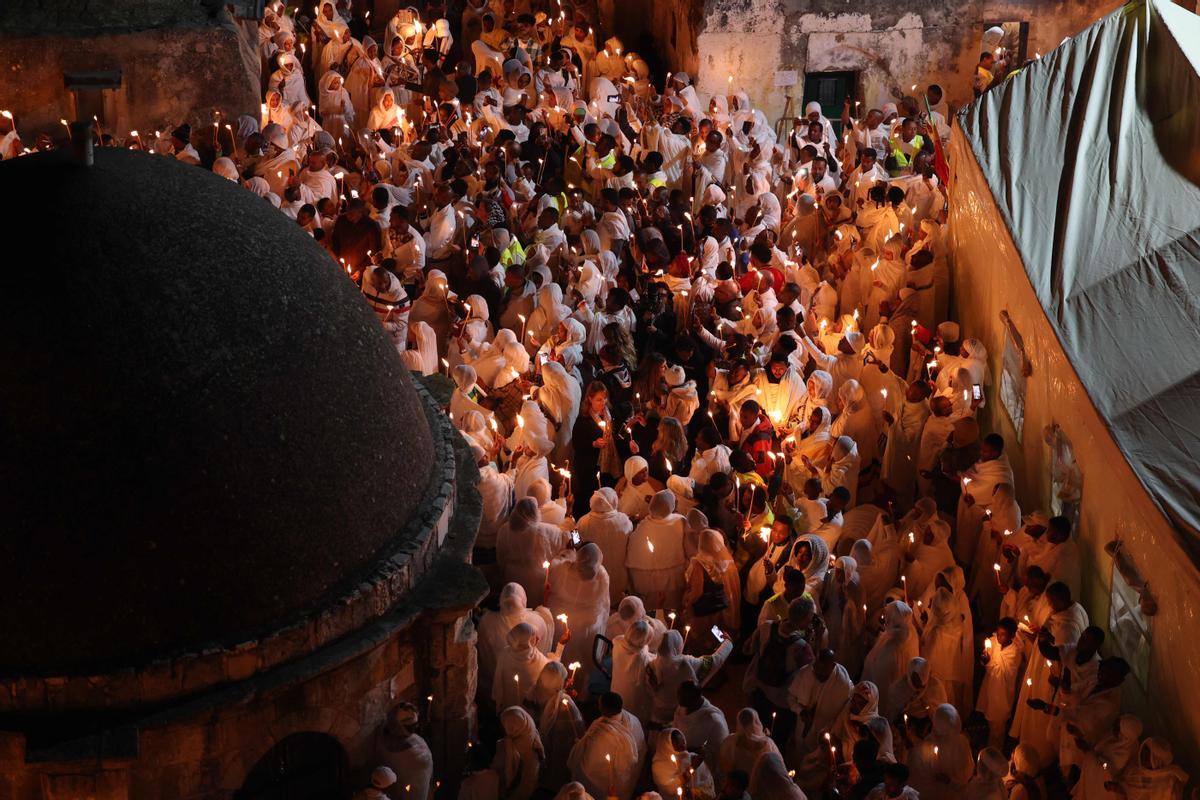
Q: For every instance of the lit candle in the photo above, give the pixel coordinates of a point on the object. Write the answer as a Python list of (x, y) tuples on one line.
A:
[(904, 583), (522, 318), (996, 569), (671, 617), (686, 630)]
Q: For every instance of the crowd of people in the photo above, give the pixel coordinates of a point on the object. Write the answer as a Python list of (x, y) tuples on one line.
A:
[(727, 436)]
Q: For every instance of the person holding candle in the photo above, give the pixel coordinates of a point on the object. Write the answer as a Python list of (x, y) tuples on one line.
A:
[(635, 489), (631, 659), (946, 635), (581, 592), (1064, 626), (1001, 660), (610, 529), (524, 543), (559, 723), (700, 721), (656, 558), (942, 763), (674, 768), (1024, 780), (518, 666), (893, 651), (607, 760), (770, 779), (494, 626), (818, 695), (991, 470), (399, 747)]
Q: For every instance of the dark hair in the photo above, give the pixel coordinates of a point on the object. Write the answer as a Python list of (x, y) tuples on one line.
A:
[(1060, 524), (1060, 590), (995, 440), (761, 251), (611, 704), (1008, 624), (898, 771)]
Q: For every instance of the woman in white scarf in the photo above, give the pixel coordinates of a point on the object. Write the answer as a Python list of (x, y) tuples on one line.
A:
[(770, 779), (899, 470), (632, 610), (712, 574), (491, 361), (669, 670), (278, 112), (553, 511), (335, 51), (928, 550), (988, 783), (421, 356), (385, 114), (606, 259), (474, 333), (860, 422), (1104, 764), (895, 647), (742, 749), (946, 637), (1154, 776), (946, 775), (288, 80), (672, 768), (335, 105), (525, 544), (550, 311), (610, 530), (531, 442), (365, 71), (579, 589), (818, 388), (850, 726), (682, 400), (518, 666), (914, 693), (810, 555), (559, 395), (815, 447), (635, 488), (432, 308), (844, 613), (466, 394), (656, 556), (494, 627), (519, 755), (560, 723), (875, 577), (630, 661)]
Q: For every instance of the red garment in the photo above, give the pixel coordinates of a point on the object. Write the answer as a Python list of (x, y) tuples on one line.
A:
[(749, 281), (760, 442)]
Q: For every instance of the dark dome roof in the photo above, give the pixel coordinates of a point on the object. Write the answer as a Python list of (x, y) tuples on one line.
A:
[(204, 432)]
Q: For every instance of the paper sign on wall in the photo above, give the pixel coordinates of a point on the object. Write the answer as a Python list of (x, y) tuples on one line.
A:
[(786, 77)]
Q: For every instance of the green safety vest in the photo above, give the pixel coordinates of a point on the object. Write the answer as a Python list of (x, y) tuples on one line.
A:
[(901, 158)]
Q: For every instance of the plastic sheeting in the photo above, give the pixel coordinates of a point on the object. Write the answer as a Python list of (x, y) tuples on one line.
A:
[(1092, 155)]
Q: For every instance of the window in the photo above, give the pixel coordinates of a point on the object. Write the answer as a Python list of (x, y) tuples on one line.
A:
[(1066, 479), (1129, 627), (1008, 42), (1015, 369), (830, 89)]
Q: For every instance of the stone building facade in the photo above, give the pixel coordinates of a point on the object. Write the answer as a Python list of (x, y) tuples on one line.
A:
[(874, 47), (134, 64)]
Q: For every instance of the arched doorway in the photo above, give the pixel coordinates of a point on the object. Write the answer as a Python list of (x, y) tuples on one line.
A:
[(303, 766)]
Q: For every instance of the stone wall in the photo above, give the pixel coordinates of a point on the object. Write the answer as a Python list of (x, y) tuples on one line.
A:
[(169, 75), (888, 45)]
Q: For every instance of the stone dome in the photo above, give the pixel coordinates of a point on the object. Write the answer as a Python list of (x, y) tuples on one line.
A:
[(204, 433)]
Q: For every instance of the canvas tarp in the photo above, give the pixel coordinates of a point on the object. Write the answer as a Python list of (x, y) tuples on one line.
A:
[(1092, 155)]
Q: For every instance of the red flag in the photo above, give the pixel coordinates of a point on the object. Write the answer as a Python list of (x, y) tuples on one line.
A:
[(940, 167)]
